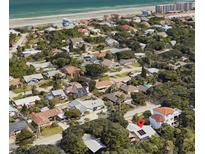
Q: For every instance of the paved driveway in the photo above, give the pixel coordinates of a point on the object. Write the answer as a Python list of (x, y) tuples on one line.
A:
[(18, 43)]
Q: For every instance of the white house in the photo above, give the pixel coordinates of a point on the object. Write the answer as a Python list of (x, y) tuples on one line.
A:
[(40, 65), (50, 29), (140, 55), (142, 45), (137, 19), (142, 133), (116, 50), (92, 143), (32, 79), (164, 115), (152, 70), (29, 52), (89, 105), (149, 31), (66, 48), (111, 42), (28, 101)]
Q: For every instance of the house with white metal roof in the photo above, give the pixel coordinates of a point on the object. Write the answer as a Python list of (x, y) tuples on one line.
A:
[(39, 65), (28, 101), (90, 105), (29, 52), (92, 143), (32, 79)]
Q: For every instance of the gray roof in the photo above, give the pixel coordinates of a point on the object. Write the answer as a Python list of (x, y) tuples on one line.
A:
[(59, 92), (52, 73), (92, 143), (29, 78), (39, 65), (27, 100), (84, 105), (76, 104), (17, 126)]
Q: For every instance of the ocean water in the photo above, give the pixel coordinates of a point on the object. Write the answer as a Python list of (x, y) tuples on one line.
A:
[(36, 8)]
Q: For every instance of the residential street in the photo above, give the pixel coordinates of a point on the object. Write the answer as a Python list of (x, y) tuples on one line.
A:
[(18, 43), (48, 140), (139, 109)]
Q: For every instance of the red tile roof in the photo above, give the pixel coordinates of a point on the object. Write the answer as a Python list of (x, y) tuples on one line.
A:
[(164, 110), (42, 118), (158, 118)]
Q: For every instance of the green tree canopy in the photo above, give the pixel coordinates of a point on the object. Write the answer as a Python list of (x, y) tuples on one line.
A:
[(138, 98), (115, 136), (18, 68), (24, 138), (94, 70)]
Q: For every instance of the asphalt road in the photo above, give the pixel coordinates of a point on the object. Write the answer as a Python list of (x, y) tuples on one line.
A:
[(48, 140)]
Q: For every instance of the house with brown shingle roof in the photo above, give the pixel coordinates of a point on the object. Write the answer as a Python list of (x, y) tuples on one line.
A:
[(129, 88), (163, 115), (76, 89), (102, 85), (71, 70), (45, 118)]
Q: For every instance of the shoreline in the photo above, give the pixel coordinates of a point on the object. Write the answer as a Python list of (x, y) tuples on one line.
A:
[(57, 19)]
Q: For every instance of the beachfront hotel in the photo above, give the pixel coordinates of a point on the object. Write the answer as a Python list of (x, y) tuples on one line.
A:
[(182, 6)]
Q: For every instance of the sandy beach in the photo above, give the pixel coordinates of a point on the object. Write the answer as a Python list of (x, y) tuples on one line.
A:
[(56, 19)]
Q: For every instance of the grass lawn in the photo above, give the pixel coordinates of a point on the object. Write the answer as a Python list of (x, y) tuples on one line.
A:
[(48, 131), (106, 77), (136, 65), (22, 89), (123, 74)]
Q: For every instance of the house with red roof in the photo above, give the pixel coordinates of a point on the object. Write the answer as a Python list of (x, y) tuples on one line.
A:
[(84, 31), (45, 118), (163, 115)]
